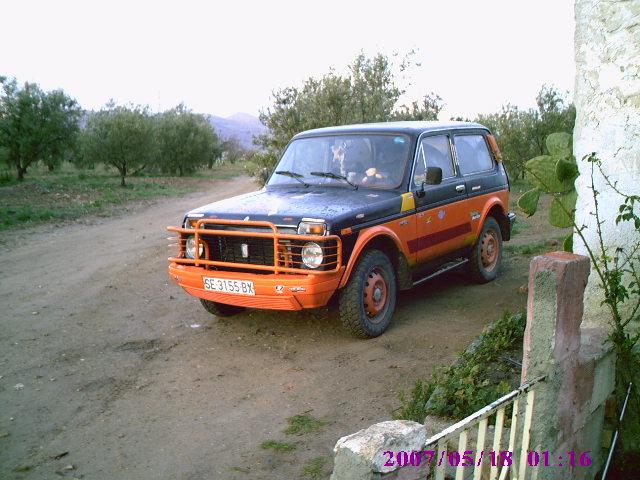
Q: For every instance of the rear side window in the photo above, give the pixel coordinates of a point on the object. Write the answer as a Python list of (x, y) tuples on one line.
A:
[(473, 154), (433, 152)]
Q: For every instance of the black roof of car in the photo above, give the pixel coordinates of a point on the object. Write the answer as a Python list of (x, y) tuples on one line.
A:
[(409, 128)]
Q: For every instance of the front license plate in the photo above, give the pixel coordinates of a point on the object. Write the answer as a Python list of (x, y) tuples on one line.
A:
[(241, 287)]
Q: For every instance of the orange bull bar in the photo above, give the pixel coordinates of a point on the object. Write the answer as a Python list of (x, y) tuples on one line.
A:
[(289, 286)]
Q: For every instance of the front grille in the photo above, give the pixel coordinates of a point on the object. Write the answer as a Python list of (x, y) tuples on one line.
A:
[(229, 249), (260, 251), (253, 250)]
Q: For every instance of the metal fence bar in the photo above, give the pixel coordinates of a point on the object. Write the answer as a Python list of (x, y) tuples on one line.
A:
[(526, 430), (497, 440), (512, 442), (482, 432), (441, 461), (462, 446)]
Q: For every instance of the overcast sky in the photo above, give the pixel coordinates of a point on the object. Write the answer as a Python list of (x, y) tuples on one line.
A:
[(227, 57)]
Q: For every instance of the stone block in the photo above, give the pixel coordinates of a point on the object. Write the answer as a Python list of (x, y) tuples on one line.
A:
[(360, 456)]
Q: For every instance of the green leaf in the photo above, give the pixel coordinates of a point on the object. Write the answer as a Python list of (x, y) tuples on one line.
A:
[(566, 170), (541, 172), (559, 144), (528, 202), (567, 245), (557, 215)]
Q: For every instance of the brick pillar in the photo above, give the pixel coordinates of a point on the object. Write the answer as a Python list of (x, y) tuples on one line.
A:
[(551, 347)]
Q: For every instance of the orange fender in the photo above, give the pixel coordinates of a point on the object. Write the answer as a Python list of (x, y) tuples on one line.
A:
[(363, 240), (500, 199)]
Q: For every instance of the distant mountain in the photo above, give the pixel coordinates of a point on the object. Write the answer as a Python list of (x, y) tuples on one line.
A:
[(242, 126)]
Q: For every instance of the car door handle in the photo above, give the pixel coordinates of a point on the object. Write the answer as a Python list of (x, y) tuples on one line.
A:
[(475, 187), (460, 188)]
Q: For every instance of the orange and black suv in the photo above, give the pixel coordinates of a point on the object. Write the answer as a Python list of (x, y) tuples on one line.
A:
[(354, 214)]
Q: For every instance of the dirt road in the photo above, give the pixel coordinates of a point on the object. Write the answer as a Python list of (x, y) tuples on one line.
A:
[(107, 366)]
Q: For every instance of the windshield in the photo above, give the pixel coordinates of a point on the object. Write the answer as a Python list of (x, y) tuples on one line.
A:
[(369, 160)]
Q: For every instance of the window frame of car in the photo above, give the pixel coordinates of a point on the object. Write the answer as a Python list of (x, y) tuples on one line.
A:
[(481, 132), (434, 133)]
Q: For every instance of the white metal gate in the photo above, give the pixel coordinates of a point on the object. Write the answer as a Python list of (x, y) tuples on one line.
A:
[(515, 460)]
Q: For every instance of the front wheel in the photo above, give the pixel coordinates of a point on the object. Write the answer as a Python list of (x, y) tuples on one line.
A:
[(486, 256), (220, 309), (367, 303)]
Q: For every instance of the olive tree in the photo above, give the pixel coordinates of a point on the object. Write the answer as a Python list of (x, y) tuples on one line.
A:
[(186, 141), (122, 137), (36, 125)]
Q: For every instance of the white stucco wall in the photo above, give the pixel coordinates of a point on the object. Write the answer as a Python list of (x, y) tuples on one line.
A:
[(607, 98)]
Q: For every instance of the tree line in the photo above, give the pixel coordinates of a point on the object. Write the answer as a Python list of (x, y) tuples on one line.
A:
[(370, 92), (49, 127)]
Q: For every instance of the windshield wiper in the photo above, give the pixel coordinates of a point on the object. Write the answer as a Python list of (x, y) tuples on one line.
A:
[(294, 175), (336, 177)]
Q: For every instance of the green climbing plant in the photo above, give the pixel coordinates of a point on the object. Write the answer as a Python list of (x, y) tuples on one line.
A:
[(617, 266), (554, 175)]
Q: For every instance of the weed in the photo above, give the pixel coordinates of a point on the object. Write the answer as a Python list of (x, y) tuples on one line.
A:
[(6, 178), (313, 468), (277, 446), (303, 423), (240, 469), (477, 378), (413, 405), (520, 226), (529, 249)]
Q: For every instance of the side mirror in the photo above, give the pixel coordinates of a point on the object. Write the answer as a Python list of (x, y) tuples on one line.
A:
[(433, 176)]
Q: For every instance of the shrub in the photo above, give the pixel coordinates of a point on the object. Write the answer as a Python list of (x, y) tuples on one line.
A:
[(478, 377)]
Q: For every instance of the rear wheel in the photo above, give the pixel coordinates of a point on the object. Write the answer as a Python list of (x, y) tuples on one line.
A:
[(220, 309), (367, 303), (486, 256)]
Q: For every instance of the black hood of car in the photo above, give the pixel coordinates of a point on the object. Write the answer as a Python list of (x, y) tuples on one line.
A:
[(339, 206)]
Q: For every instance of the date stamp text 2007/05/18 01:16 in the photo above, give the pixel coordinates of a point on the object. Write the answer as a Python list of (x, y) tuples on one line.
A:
[(470, 458)]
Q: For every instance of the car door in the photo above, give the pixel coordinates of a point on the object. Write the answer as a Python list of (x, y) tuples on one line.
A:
[(480, 173), (441, 217)]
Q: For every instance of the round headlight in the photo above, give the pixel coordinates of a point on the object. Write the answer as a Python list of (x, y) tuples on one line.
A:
[(312, 255), (190, 247)]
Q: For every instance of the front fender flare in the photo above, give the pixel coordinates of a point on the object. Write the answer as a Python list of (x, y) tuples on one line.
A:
[(364, 239)]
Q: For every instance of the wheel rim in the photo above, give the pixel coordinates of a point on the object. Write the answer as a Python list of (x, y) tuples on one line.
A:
[(489, 250), (375, 295)]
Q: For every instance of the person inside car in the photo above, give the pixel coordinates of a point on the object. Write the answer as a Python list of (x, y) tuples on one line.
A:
[(386, 171)]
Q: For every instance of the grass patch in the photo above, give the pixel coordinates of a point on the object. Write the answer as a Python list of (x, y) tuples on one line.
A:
[(22, 468), (479, 376), (68, 194), (313, 468), (244, 470), (275, 445), (304, 423), (520, 226), (533, 248)]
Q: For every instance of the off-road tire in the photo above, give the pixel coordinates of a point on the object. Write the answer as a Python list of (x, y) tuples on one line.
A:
[(220, 309), (486, 255), (373, 264)]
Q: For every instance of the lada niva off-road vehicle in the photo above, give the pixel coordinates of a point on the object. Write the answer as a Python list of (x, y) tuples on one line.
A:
[(352, 213)]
